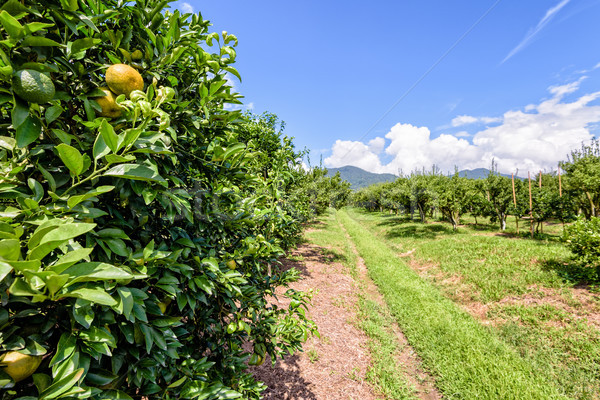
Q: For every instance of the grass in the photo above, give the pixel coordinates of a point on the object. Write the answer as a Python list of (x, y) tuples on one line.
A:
[(385, 374), (468, 359), (492, 267), (475, 264)]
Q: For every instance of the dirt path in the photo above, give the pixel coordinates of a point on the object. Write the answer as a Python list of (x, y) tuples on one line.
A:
[(334, 366), (415, 373)]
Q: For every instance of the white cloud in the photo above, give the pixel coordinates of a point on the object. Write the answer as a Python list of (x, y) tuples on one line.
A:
[(377, 145), (533, 32), (532, 139), (468, 119), (346, 152), (187, 8)]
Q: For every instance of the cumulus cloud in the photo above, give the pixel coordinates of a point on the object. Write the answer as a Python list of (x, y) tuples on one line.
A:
[(550, 13), (187, 8), (377, 145), (468, 119), (532, 139)]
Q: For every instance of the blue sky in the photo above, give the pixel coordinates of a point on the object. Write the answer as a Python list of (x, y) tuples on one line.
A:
[(515, 81)]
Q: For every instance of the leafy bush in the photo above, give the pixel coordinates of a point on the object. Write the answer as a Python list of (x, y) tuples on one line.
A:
[(136, 252), (583, 239)]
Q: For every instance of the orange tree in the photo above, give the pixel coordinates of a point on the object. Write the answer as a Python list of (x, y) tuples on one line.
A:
[(134, 257)]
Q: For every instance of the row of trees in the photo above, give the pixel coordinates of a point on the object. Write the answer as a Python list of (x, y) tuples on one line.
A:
[(138, 252), (551, 196)]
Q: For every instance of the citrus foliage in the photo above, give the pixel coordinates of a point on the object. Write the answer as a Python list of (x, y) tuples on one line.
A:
[(453, 196), (117, 235)]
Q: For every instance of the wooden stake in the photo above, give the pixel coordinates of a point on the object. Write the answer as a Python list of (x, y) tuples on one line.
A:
[(514, 193), (540, 179), (515, 201), (530, 203), (559, 183)]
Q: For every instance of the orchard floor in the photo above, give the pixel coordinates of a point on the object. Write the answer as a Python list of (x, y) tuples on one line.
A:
[(334, 365)]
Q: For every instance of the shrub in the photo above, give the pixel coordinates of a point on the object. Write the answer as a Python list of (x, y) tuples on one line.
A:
[(583, 239), (134, 254)]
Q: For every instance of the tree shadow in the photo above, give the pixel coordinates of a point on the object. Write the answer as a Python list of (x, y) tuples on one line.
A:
[(283, 381), (576, 273), (421, 231)]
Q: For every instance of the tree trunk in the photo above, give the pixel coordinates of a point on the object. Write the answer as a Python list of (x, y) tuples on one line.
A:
[(502, 218), (421, 213)]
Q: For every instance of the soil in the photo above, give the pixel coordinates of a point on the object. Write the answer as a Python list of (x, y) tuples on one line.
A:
[(334, 365)]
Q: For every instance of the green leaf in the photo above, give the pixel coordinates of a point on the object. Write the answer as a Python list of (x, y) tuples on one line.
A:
[(38, 41), (58, 236), (22, 288), (95, 271), (41, 382), (36, 187), (84, 44), (74, 200), (135, 172), (71, 157), (55, 283), (10, 249), (63, 136), (19, 113), (110, 137), (7, 143), (115, 395), (52, 113), (28, 131), (48, 176), (62, 385), (83, 312), (100, 377), (233, 150), (43, 229), (100, 148), (98, 296), (23, 266), (11, 25), (5, 269), (126, 300), (66, 347), (115, 159), (118, 247), (33, 27), (70, 258)]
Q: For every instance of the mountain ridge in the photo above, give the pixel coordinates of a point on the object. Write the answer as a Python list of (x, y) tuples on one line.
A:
[(359, 178)]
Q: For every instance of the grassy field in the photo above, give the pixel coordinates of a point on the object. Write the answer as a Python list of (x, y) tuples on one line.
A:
[(492, 315)]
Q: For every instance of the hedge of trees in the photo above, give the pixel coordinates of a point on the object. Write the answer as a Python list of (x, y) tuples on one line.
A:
[(553, 196), (139, 250)]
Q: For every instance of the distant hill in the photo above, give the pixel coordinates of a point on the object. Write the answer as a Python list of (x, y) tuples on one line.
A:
[(360, 178), (478, 173)]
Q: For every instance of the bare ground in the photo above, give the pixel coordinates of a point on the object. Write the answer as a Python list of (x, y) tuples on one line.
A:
[(579, 302), (334, 366)]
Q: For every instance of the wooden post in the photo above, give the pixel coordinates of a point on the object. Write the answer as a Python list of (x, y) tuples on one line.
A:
[(540, 179), (530, 203), (559, 183), (515, 202)]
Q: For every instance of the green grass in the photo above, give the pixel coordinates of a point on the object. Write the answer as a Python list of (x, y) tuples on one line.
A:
[(487, 268), (384, 373), (493, 267), (468, 359)]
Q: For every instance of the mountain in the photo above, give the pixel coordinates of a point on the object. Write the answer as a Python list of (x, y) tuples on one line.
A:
[(478, 173), (360, 178)]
